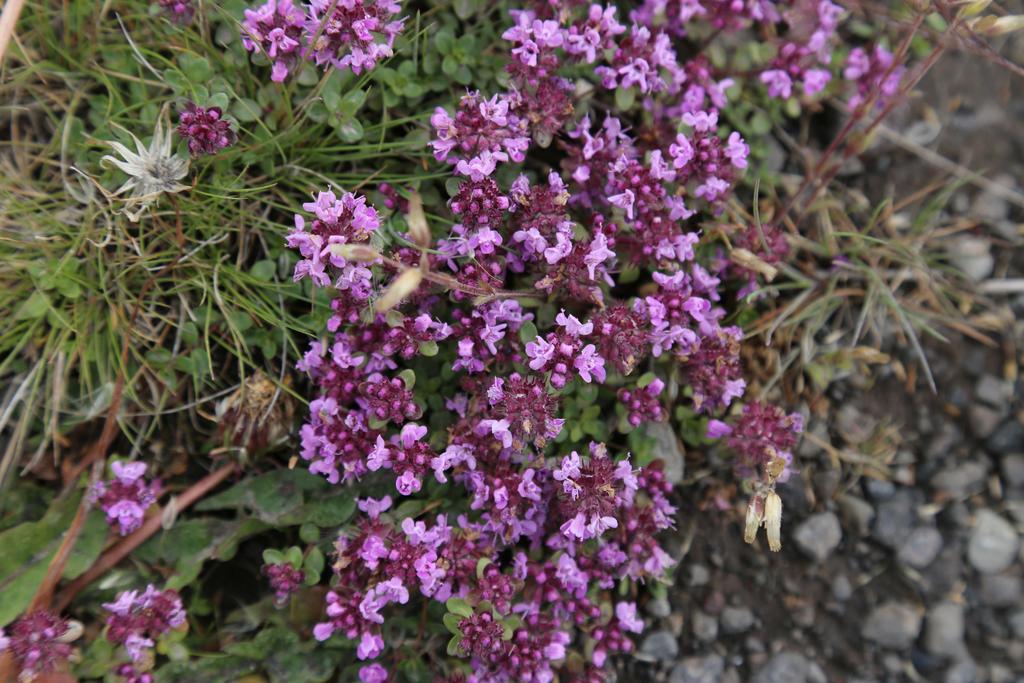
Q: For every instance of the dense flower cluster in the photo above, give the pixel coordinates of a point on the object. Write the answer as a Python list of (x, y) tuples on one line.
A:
[(521, 317), (38, 642), (875, 74), (126, 497), (352, 34), (204, 129), (284, 579), (178, 11), (136, 621)]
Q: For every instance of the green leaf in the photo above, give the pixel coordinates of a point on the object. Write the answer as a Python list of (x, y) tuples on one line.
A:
[(528, 332), (294, 556), (272, 556), (481, 565), (451, 622), (316, 561), (459, 606), (309, 533), (246, 110), (350, 130), (28, 549), (409, 377), (625, 98), (35, 306), (352, 102), (428, 348), (264, 270), (453, 647), (197, 69)]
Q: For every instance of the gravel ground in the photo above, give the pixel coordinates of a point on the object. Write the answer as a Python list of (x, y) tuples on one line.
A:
[(914, 578)]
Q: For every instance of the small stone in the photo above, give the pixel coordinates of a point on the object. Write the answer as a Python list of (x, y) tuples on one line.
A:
[(1000, 590), (896, 518), (994, 391), (964, 671), (993, 543), (972, 256), (705, 626), (661, 646), (669, 449), (842, 589), (736, 620), (1008, 438), (659, 608), (1016, 622), (879, 489), (699, 575), (921, 547), (818, 535), (983, 420), (1012, 467), (893, 625), (944, 630), (785, 667), (961, 480), (698, 670), (857, 513)]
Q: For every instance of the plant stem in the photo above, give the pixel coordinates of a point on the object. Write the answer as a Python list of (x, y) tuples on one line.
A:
[(129, 543)]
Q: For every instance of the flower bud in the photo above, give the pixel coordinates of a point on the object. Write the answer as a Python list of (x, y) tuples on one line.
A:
[(355, 252), (755, 513), (401, 287), (773, 521), (417, 221)]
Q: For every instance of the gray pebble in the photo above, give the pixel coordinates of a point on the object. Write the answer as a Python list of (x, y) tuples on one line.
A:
[(993, 543), (993, 391), (896, 518), (660, 645), (1016, 622), (698, 670), (668, 447), (736, 619), (944, 630), (818, 535), (893, 625), (789, 667), (699, 575), (921, 547), (983, 420), (999, 590), (857, 513), (1012, 467), (960, 480), (705, 626), (972, 256), (659, 608), (964, 671), (1009, 438), (841, 588)]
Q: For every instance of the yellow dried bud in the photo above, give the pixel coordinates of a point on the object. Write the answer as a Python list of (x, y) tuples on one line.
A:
[(773, 521), (417, 221), (754, 517), (751, 261), (355, 252), (401, 287)]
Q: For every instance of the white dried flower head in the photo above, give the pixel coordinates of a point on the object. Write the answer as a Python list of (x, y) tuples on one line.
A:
[(151, 170), (773, 521)]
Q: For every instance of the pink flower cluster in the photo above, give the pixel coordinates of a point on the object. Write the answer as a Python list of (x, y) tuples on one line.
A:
[(478, 390), (38, 644), (348, 34), (284, 580), (875, 74), (126, 497), (204, 129), (137, 620)]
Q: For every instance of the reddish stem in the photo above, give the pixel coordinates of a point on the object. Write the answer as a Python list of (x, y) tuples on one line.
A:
[(129, 543)]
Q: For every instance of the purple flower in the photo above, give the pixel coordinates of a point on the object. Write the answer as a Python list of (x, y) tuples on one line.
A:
[(204, 129), (353, 34), (275, 28), (126, 497), (625, 612), (373, 673)]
